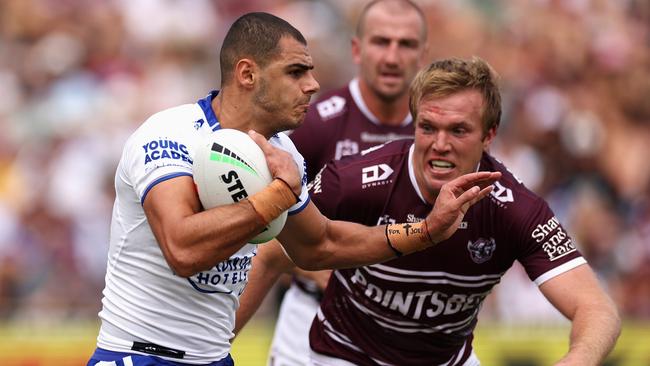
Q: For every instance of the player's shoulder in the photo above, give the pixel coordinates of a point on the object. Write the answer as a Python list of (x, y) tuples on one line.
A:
[(185, 117), (174, 127), (389, 155), (330, 105), (509, 192), (282, 140), (365, 178)]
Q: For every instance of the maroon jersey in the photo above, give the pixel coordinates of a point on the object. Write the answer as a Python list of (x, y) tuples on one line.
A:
[(421, 309), (340, 124)]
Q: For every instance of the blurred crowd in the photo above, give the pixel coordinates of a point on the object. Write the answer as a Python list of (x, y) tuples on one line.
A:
[(78, 76)]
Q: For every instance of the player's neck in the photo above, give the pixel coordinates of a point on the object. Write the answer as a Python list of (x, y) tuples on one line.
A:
[(232, 112), (389, 113)]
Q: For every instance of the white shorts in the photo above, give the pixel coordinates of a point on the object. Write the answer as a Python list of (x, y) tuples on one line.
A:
[(290, 345)]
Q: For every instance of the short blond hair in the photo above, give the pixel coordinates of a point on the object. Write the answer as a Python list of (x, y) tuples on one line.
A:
[(448, 76)]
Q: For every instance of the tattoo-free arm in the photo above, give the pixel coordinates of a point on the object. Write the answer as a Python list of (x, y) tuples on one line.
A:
[(193, 240), (314, 242), (595, 323)]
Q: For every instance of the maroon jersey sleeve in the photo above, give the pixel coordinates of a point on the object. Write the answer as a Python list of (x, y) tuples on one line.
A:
[(546, 247), (543, 246)]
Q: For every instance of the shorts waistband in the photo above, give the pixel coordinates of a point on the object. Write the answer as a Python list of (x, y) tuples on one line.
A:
[(135, 359), (154, 349)]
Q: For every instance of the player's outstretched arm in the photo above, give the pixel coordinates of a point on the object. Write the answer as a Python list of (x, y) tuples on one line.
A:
[(595, 323), (314, 242)]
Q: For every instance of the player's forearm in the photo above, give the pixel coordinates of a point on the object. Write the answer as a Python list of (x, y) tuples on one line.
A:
[(198, 242), (594, 333), (344, 245)]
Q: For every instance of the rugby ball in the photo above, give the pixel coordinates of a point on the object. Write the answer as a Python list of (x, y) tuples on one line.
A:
[(228, 167)]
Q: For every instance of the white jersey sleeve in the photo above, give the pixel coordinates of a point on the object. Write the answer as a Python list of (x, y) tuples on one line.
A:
[(159, 150)]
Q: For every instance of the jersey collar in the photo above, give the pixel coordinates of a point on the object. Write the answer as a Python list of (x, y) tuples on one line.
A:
[(355, 91), (206, 106), (412, 175)]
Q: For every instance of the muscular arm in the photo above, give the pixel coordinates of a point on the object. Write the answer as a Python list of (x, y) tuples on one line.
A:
[(193, 240), (269, 263), (314, 242), (595, 324)]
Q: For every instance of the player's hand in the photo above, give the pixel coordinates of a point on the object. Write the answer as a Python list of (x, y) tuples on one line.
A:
[(280, 163), (454, 200)]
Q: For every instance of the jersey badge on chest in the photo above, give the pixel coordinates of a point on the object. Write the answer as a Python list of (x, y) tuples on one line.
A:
[(481, 250)]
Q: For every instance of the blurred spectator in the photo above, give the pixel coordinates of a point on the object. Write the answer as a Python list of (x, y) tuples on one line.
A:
[(77, 75)]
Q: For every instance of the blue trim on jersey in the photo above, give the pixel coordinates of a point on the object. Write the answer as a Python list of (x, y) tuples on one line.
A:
[(197, 288), (299, 209), (159, 180), (206, 106), (145, 360)]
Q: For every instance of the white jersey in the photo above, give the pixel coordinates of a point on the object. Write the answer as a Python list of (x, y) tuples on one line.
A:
[(144, 301)]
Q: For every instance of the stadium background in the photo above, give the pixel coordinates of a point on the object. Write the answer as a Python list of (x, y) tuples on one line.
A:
[(77, 76)]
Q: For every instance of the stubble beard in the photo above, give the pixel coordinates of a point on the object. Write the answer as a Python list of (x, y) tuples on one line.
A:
[(266, 103), (388, 97)]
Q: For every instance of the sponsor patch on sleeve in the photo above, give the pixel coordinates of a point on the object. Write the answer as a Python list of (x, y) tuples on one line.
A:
[(555, 241), (165, 152)]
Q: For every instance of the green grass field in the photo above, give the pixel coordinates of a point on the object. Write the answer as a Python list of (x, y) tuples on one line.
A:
[(72, 344)]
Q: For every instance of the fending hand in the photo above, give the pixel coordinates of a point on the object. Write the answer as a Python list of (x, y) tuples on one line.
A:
[(453, 201)]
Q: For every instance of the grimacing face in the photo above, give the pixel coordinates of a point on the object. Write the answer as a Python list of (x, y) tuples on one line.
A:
[(390, 50), (286, 85), (449, 139)]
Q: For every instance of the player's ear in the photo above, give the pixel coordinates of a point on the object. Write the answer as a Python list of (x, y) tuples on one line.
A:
[(246, 72), (489, 136), (355, 44)]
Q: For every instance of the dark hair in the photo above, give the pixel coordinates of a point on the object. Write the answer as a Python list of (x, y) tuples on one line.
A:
[(448, 76), (403, 4), (255, 36)]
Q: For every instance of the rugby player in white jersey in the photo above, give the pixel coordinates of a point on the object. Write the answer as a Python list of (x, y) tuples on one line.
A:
[(389, 48), (175, 271), (421, 309)]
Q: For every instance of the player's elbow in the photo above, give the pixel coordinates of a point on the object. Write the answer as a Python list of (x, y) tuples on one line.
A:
[(185, 271), (312, 260), (182, 262), (183, 267)]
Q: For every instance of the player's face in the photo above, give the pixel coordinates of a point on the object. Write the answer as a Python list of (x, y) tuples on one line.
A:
[(449, 139), (390, 51), (286, 85)]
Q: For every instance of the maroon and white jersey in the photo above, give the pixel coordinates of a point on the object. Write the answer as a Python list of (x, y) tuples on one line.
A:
[(339, 124), (421, 309)]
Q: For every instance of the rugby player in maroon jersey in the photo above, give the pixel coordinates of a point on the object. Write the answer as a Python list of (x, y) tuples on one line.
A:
[(421, 309)]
